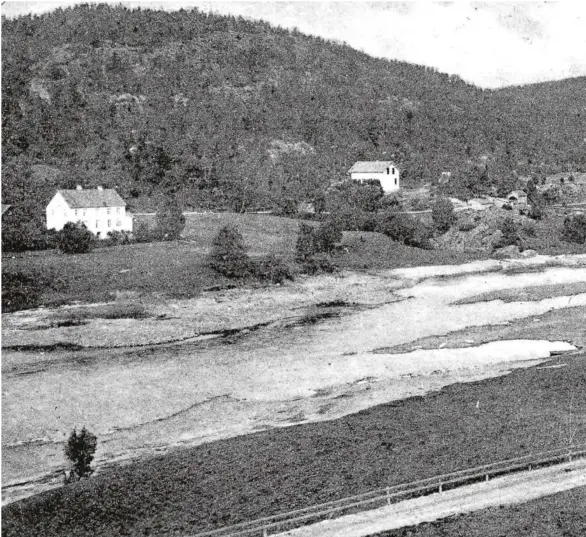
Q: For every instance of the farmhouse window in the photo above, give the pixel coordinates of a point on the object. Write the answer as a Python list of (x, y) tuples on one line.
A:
[(108, 210), (388, 171), (118, 223), (393, 171), (109, 223), (118, 210), (395, 180), (75, 212), (97, 223)]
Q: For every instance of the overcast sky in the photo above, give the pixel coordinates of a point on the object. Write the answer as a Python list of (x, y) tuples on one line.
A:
[(490, 44)]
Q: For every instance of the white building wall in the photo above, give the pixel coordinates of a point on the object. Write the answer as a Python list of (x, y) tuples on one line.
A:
[(390, 182), (99, 220)]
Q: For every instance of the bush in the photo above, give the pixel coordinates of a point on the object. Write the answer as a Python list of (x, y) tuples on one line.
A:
[(327, 236), (228, 256), (304, 247), (143, 233), (406, 229), (443, 215), (170, 220), (21, 291), (323, 239), (79, 450), (510, 234), (23, 230), (467, 226), (575, 229), (355, 220), (118, 237), (319, 264), (272, 269), (75, 238)]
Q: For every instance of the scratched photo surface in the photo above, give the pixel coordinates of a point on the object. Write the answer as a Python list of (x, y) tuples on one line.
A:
[(293, 268)]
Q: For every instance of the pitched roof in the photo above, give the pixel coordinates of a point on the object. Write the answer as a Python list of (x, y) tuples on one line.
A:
[(79, 199), (374, 166), (5, 208), (517, 194)]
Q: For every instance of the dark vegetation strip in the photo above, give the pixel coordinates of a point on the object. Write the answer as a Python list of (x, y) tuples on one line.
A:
[(231, 481)]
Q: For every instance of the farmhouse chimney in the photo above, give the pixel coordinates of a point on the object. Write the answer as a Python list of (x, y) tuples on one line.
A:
[(78, 187), (100, 188)]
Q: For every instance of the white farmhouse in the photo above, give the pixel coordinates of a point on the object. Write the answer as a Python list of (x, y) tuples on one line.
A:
[(101, 210), (384, 171)]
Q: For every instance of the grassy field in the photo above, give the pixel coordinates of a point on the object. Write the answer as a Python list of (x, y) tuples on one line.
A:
[(180, 268), (225, 482), (558, 515)]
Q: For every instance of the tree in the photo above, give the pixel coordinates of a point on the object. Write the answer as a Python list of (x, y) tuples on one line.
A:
[(443, 215), (75, 238), (170, 220), (575, 229), (304, 247), (79, 450), (228, 256)]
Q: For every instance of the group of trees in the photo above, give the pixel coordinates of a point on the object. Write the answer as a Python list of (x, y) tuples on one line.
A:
[(237, 115)]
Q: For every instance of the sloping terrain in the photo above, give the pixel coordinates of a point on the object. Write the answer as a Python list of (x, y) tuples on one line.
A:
[(233, 113)]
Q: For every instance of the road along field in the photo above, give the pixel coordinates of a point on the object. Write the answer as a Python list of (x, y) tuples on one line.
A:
[(308, 351), (512, 489)]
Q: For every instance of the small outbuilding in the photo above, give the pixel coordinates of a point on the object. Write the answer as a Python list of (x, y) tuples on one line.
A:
[(517, 196)]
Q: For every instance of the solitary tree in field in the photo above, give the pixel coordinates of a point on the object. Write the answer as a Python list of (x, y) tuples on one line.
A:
[(79, 450), (228, 256), (443, 215)]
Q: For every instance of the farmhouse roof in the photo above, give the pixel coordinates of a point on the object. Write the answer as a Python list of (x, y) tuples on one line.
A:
[(374, 166), (517, 194), (80, 199), (5, 208)]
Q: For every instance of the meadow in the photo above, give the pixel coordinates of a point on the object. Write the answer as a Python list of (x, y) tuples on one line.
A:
[(247, 477)]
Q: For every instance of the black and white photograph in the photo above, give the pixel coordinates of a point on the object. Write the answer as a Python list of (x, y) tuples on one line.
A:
[(294, 269)]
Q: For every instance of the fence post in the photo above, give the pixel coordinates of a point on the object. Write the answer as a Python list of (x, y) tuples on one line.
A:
[(441, 488), (487, 477), (265, 533)]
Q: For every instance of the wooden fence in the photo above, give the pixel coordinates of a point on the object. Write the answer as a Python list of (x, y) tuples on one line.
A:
[(387, 495)]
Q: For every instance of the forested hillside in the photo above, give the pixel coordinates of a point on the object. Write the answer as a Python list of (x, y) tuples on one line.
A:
[(234, 114)]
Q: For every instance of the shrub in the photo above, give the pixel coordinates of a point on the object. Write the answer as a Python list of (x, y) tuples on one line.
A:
[(575, 229), (288, 207), (443, 215), (228, 256), (170, 220), (272, 269), (23, 230), (143, 233), (118, 237), (510, 233), (355, 220), (467, 226), (21, 291), (327, 236), (406, 229), (304, 247), (75, 238), (319, 264), (79, 450)]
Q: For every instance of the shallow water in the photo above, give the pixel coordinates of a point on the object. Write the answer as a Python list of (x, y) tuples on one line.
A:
[(144, 402)]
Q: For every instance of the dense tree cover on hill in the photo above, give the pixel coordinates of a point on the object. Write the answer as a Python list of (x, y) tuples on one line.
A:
[(232, 114)]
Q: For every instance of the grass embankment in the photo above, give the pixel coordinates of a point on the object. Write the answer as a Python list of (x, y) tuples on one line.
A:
[(536, 292), (248, 477), (181, 268), (558, 515)]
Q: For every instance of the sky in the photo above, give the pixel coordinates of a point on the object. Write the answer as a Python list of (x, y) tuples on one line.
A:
[(490, 44)]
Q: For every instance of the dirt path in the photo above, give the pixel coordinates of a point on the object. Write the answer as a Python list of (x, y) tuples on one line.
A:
[(512, 489)]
